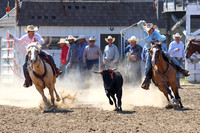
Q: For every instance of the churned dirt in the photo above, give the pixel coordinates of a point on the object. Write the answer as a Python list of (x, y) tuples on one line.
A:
[(82, 117)]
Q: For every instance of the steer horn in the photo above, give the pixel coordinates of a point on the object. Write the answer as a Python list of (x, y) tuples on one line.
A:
[(114, 69), (96, 72)]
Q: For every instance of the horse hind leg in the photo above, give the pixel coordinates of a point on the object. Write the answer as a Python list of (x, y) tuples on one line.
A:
[(57, 96), (51, 90)]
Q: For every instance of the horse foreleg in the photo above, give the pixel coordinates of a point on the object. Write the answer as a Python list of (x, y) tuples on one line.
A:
[(169, 92), (41, 91), (51, 89), (174, 87), (57, 96), (119, 97)]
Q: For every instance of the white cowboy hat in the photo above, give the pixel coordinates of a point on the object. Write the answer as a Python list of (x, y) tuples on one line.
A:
[(63, 40), (81, 37), (30, 28), (177, 35), (150, 26), (92, 39), (110, 37), (70, 37), (133, 38)]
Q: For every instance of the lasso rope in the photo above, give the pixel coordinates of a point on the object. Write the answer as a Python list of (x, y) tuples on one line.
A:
[(121, 32)]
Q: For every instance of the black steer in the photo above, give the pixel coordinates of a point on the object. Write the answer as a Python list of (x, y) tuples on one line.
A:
[(113, 82)]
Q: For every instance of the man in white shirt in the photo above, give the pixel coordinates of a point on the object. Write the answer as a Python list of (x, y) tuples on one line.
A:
[(176, 50), (29, 38)]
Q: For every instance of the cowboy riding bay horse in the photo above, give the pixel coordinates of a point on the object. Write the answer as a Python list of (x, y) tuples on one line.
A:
[(193, 46), (164, 75), (41, 74)]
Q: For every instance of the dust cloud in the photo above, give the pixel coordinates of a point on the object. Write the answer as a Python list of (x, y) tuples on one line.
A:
[(74, 92)]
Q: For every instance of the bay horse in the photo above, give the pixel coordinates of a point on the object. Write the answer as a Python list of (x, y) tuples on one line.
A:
[(193, 46), (41, 74), (164, 75)]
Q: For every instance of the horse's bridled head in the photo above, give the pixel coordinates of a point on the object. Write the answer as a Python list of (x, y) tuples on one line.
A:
[(33, 53), (189, 49), (155, 55)]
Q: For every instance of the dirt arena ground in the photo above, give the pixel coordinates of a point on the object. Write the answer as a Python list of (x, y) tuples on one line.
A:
[(82, 118)]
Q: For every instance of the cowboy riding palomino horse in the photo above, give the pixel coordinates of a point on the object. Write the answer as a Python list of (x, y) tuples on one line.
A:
[(193, 46), (164, 75), (41, 74)]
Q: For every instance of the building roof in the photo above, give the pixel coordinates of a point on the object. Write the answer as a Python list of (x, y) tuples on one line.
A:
[(87, 13)]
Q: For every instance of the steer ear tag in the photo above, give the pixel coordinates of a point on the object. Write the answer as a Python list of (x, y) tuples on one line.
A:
[(101, 72)]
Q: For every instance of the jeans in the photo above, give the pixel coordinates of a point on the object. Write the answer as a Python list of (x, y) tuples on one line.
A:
[(177, 73), (82, 69), (72, 68), (92, 64), (134, 73), (63, 68)]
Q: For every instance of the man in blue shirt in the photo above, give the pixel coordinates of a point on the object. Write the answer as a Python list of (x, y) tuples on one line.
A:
[(152, 35), (134, 59), (82, 44)]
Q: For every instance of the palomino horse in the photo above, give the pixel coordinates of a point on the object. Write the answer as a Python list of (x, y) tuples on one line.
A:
[(164, 75), (41, 74), (193, 46)]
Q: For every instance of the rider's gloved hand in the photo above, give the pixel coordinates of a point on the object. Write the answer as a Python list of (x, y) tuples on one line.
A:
[(11, 36)]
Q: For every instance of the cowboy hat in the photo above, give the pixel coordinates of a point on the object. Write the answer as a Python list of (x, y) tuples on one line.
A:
[(176, 35), (30, 28), (81, 37), (70, 37), (92, 39), (62, 40), (150, 26), (110, 37), (133, 38)]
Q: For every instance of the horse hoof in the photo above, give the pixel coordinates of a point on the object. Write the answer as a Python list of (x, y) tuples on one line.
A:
[(174, 100), (169, 106), (46, 111), (58, 99), (116, 109)]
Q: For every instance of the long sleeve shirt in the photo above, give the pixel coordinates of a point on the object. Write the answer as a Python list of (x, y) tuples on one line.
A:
[(164, 47), (92, 53), (154, 36), (111, 53), (172, 49), (136, 51), (72, 56), (81, 49), (26, 38), (127, 48), (63, 57)]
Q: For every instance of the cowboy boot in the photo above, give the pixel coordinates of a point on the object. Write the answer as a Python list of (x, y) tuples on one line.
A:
[(58, 72), (183, 71), (28, 81), (146, 83)]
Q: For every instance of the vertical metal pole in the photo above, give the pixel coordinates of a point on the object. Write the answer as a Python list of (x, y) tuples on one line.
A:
[(168, 29)]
